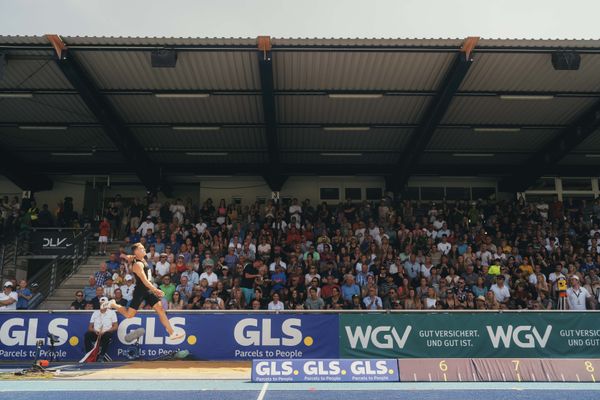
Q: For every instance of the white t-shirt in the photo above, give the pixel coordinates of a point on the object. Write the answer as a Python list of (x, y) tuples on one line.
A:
[(4, 297), (444, 247), (276, 307), (576, 298), (272, 266), (145, 226), (426, 271), (128, 291), (212, 278), (103, 321), (162, 268), (501, 293)]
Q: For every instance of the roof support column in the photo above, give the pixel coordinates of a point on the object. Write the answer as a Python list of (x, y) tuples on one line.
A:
[(114, 127), (436, 110), (272, 174)]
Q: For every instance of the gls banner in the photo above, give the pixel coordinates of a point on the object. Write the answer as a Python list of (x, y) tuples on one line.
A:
[(208, 336), (46, 242), (325, 371), (477, 335)]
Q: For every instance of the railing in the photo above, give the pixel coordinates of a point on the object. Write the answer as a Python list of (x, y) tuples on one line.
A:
[(60, 268)]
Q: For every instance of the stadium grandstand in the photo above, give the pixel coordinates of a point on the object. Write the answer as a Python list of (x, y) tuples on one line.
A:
[(318, 176)]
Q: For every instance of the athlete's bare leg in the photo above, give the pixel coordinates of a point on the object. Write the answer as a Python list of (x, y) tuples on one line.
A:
[(162, 315), (127, 312)]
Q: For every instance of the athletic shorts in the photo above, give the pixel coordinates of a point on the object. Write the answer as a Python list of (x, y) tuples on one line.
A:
[(103, 239), (143, 294)]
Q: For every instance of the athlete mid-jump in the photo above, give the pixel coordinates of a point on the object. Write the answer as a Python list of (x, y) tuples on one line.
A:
[(145, 291)]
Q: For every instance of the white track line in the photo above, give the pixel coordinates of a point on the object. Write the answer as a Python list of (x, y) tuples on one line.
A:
[(263, 391)]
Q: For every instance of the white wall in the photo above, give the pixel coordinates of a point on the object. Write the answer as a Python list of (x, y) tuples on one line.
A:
[(62, 188)]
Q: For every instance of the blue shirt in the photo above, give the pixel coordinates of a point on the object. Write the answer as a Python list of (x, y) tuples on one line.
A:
[(159, 247), (22, 303), (89, 292), (349, 291)]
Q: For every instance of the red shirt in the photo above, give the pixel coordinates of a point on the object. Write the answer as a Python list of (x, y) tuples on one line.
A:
[(104, 228)]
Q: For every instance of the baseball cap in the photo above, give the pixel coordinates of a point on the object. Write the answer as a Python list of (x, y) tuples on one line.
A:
[(128, 277), (225, 267), (573, 277), (163, 254), (103, 299), (8, 284), (34, 285), (148, 217), (480, 298)]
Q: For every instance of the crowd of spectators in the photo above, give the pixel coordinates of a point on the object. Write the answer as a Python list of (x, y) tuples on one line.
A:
[(405, 255)]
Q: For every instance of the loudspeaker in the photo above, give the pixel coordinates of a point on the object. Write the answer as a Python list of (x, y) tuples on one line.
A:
[(163, 58), (566, 60)]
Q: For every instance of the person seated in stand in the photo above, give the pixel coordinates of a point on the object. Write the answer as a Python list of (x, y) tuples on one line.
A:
[(103, 324)]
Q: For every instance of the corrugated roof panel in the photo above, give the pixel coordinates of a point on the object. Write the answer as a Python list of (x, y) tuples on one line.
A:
[(581, 159), (215, 109), (322, 109), (468, 140), (590, 144), (359, 42), (316, 138), (231, 158), (498, 158), (156, 41), (530, 72), (45, 108), (33, 74), (540, 43), (317, 158), (103, 157), (72, 138), (225, 138), (16, 40), (493, 110), (359, 71), (226, 70)]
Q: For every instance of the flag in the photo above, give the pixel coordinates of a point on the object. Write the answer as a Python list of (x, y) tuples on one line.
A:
[(92, 355)]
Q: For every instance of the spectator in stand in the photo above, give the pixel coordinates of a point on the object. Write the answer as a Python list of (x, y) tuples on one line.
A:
[(24, 294), (96, 300), (103, 234), (209, 275), (275, 304), (128, 288), (119, 298), (8, 297), (372, 301), (113, 263), (349, 288), (79, 302), (501, 291), (168, 288), (314, 302), (110, 287), (102, 275), (135, 214), (90, 291), (577, 296), (147, 224)]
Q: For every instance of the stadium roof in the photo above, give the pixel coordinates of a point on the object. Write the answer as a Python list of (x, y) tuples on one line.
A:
[(279, 107)]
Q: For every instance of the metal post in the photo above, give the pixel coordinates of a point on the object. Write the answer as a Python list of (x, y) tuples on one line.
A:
[(53, 277)]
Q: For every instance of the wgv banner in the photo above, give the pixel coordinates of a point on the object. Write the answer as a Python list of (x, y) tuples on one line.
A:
[(466, 335), (325, 371), (208, 336)]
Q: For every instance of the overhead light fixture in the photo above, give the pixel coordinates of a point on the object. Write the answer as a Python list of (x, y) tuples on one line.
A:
[(43, 127), (196, 128), (497, 130), (355, 95), (73, 154), (346, 128), (213, 176), (525, 97), (592, 155), (473, 154), (342, 154), (22, 95), (181, 95), (206, 153)]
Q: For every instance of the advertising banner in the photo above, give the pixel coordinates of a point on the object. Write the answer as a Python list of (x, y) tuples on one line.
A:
[(325, 371), (52, 242), (208, 336), (478, 335)]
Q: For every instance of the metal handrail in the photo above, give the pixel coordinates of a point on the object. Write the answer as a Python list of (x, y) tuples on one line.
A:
[(60, 268)]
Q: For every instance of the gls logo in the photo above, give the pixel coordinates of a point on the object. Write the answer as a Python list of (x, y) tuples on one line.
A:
[(22, 332), (254, 332), (55, 243), (523, 336), (382, 337), (150, 337)]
